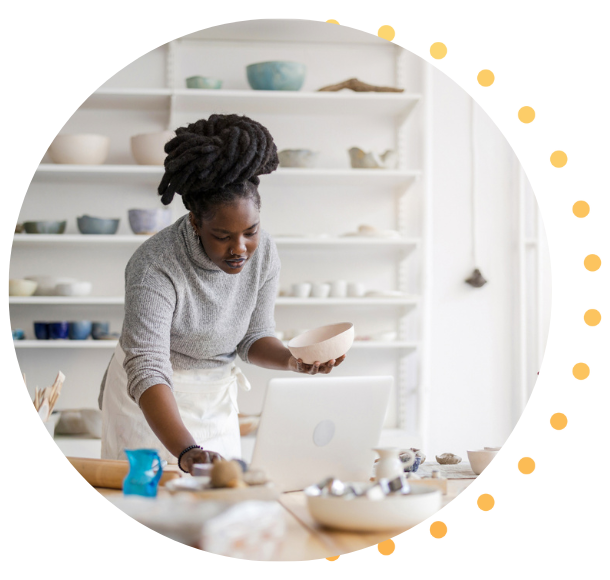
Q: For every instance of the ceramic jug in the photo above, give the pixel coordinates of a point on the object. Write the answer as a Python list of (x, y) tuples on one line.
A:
[(389, 465), (144, 472)]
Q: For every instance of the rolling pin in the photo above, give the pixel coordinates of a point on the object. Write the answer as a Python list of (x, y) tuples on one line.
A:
[(108, 473)]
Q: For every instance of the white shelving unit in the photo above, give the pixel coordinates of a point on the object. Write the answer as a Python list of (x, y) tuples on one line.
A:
[(402, 195)]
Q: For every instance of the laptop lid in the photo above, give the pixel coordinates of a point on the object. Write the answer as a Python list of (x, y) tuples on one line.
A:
[(317, 427)]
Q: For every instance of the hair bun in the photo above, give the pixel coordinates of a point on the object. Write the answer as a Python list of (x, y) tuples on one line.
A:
[(213, 153)]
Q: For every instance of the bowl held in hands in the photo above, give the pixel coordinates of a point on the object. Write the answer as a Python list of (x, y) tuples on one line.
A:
[(149, 148), (81, 149), (323, 344)]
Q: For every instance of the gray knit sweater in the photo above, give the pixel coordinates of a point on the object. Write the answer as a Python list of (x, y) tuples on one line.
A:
[(183, 312)]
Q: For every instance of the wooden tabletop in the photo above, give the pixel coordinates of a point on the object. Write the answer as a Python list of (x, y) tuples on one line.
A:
[(307, 540)]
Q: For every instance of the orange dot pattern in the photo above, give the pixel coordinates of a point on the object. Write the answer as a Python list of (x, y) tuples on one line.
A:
[(581, 209), (581, 371), (558, 159), (526, 465), (526, 114), (386, 548), (438, 50), (386, 32), (332, 558), (559, 421), (593, 317), (486, 502), (332, 22), (593, 263), (438, 530), (486, 78)]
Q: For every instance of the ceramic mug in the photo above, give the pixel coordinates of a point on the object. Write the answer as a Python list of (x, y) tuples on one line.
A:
[(58, 330), (338, 289), (356, 289), (79, 330), (320, 290), (301, 290), (41, 330)]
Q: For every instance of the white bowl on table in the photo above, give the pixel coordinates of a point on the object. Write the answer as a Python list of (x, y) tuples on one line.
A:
[(323, 344), (398, 512)]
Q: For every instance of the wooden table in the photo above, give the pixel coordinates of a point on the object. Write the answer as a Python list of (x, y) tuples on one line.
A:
[(306, 540)]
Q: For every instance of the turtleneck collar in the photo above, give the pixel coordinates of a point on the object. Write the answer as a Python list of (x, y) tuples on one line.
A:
[(194, 247)]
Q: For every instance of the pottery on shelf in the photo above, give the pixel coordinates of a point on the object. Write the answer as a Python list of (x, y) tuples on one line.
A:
[(297, 158), (338, 289), (18, 334), (58, 330), (99, 330), (73, 289), (320, 290), (371, 160), (99, 226), (276, 75), (19, 287), (47, 284), (41, 330), (389, 466), (323, 344), (80, 330), (385, 336), (80, 149), (149, 221), (301, 290), (448, 459), (480, 459), (149, 148), (360, 87), (19, 228), (45, 227), (199, 82), (385, 294), (368, 231), (356, 289)]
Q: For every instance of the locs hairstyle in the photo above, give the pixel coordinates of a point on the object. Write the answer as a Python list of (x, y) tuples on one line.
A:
[(216, 161)]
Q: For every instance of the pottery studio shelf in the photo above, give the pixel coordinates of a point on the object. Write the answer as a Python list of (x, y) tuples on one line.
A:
[(111, 344), (282, 177)]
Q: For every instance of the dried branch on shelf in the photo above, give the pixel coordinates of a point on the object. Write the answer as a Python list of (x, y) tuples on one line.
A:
[(360, 87)]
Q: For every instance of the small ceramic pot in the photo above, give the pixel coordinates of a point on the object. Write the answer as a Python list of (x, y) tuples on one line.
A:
[(41, 330), (97, 226), (149, 221), (198, 82), (301, 290), (58, 330), (149, 148), (18, 334), (45, 227), (480, 459), (277, 75), (389, 465), (356, 290), (74, 289), (99, 330), (414, 466), (80, 330), (320, 290), (21, 287), (338, 289), (82, 149)]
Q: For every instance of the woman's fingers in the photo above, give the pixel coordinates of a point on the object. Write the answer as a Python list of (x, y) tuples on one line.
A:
[(315, 367), (329, 366), (339, 360)]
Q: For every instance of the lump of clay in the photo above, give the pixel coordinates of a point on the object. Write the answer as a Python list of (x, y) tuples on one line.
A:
[(448, 459), (227, 474)]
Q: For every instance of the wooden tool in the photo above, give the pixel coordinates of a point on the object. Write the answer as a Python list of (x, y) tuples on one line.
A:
[(109, 473)]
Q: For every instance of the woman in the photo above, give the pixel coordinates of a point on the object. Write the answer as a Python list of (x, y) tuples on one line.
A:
[(197, 294)]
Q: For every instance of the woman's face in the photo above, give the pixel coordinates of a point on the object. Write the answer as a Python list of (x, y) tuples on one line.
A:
[(231, 236)]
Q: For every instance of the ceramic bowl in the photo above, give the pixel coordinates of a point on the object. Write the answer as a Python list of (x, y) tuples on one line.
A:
[(19, 228), (301, 290), (41, 330), (99, 330), (80, 149), (80, 330), (149, 221), (297, 158), (74, 289), (320, 290), (46, 284), (93, 225), (45, 227), (399, 512), (18, 287), (323, 344), (58, 330), (480, 459), (277, 75), (198, 82), (149, 148)]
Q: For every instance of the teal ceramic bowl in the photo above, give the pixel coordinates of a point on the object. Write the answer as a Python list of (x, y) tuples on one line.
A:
[(276, 75), (45, 227), (97, 226), (198, 82)]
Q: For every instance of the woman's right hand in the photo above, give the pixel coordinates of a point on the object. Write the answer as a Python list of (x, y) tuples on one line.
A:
[(298, 366), (196, 455)]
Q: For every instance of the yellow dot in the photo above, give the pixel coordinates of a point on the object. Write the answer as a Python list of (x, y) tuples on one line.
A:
[(333, 558), (386, 32), (593, 262), (580, 371), (581, 209), (593, 317), (486, 78), (386, 548), (332, 22), (438, 50), (526, 465), (486, 502), (438, 530), (526, 114), (559, 421), (558, 158)]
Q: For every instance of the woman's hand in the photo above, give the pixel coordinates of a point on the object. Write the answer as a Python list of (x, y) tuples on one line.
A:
[(194, 456), (298, 366)]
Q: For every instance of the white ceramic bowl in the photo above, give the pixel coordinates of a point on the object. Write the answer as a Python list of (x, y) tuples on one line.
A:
[(21, 287), (399, 512), (74, 289), (148, 148), (80, 149), (46, 284), (323, 344), (480, 459)]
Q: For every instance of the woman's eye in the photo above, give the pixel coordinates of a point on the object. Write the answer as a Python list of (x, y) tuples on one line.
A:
[(222, 239), (252, 234)]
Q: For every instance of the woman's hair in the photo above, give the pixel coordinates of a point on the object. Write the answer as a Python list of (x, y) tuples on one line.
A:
[(216, 161)]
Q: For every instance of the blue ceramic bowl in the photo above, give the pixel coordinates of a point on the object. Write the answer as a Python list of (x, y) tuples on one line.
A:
[(58, 330), (149, 221), (415, 465), (198, 82), (80, 330), (276, 75), (100, 329), (45, 227), (41, 330), (100, 226), (18, 334)]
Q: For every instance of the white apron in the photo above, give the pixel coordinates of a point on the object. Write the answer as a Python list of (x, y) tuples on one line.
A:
[(207, 402)]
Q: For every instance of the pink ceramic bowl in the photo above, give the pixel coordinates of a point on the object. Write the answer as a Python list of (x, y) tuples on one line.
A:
[(323, 344)]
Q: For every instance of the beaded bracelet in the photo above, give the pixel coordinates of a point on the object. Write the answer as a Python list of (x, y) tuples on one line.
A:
[(186, 451)]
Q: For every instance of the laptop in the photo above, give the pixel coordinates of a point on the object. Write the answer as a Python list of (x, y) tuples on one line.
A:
[(318, 427)]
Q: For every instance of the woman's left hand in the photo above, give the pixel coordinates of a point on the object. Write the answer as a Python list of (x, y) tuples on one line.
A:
[(298, 366)]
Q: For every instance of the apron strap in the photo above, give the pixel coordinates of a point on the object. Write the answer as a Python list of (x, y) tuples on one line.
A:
[(242, 381)]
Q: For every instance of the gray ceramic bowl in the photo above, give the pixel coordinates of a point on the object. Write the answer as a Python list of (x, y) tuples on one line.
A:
[(198, 82), (276, 75), (297, 158), (92, 225), (45, 227), (149, 221)]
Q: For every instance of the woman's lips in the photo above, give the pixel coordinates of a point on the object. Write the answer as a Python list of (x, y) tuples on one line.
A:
[(235, 264)]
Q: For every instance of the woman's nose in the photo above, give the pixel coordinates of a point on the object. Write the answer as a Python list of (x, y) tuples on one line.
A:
[(239, 247)]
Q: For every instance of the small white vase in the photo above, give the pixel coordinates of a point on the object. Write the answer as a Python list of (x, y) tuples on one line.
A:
[(389, 465)]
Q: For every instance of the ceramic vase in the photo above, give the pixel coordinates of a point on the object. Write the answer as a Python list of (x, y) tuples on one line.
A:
[(389, 465)]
